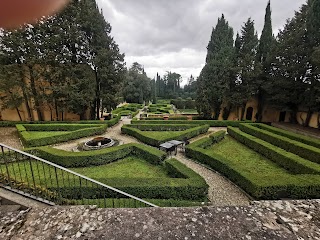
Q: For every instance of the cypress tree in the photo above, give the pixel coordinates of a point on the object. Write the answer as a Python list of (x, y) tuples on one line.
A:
[(265, 45), (247, 67), (267, 38), (215, 76)]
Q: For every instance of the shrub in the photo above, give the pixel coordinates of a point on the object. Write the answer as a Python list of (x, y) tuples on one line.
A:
[(211, 123), (192, 186), (14, 123), (146, 138), (287, 160), (303, 150), (271, 187), (171, 127), (98, 157), (29, 141), (294, 136)]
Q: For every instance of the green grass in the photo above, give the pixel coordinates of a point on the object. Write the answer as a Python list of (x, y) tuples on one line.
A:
[(246, 160), (188, 111), (35, 135), (160, 135), (130, 167)]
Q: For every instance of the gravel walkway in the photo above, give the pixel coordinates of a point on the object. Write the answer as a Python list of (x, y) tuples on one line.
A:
[(112, 132), (221, 192), (9, 136)]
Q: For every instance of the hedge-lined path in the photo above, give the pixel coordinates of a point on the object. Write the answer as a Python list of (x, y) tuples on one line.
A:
[(9, 136), (221, 191), (112, 132)]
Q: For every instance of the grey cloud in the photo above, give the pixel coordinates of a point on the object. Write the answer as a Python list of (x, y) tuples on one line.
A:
[(146, 28)]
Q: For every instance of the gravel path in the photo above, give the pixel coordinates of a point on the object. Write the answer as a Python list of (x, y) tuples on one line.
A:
[(9, 136), (221, 192), (112, 132)]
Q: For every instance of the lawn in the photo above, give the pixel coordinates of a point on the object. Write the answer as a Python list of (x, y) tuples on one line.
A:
[(188, 111), (246, 160), (36, 135), (130, 167)]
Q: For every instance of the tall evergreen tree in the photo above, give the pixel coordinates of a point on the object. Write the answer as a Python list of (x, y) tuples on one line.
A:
[(265, 45), (214, 78), (248, 69), (289, 66)]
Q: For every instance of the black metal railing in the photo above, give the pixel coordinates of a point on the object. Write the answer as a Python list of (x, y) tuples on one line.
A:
[(48, 182)]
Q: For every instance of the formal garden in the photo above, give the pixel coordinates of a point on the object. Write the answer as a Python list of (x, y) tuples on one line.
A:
[(263, 161)]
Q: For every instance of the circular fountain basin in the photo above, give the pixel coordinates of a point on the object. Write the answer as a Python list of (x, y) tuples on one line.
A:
[(98, 143)]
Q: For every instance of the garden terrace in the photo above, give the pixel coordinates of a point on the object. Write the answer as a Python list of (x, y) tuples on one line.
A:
[(154, 178), (110, 123), (33, 135), (155, 135), (294, 146), (211, 123), (258, 175), (128, 109)]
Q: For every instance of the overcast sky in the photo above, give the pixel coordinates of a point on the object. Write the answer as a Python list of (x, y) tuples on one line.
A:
[(172, 35)]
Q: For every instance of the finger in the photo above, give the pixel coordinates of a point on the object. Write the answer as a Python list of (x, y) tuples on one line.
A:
[(14, 13)]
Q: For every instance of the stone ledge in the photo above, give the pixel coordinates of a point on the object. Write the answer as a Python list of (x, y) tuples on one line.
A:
[(261, 220)]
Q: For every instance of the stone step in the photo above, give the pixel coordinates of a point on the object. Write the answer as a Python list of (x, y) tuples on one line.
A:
[(9, 208)]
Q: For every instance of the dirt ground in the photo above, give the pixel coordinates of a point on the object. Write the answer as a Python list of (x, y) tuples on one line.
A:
[(9, 137)]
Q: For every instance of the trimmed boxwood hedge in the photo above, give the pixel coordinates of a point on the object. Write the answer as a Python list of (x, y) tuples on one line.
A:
[(170, 118), (183, 184), (143, 136), (303, 150), (274, 187), (162, 127), (211, 123), (98, 157), (29, 141), (294, 136), (287, 160), (110, 123)]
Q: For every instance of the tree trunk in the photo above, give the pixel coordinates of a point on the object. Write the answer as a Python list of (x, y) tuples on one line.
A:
[(35, 94), (217, 111), (318, 120), (226, 112), (25, 96), (19, 114), (260, 106), (97, 95), (243, 109), (293, 117), (308, 118), (57, 110)]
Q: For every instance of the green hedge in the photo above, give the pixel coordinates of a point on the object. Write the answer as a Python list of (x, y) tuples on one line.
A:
[(211, 123), (170, 118), (294, 136), (191, 186), (145, 137), (162, 127), (58, 127), (287, 160), (98, 157), (110, 123), (29, 141), (208, 141), (260, 187), (303, 150)]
